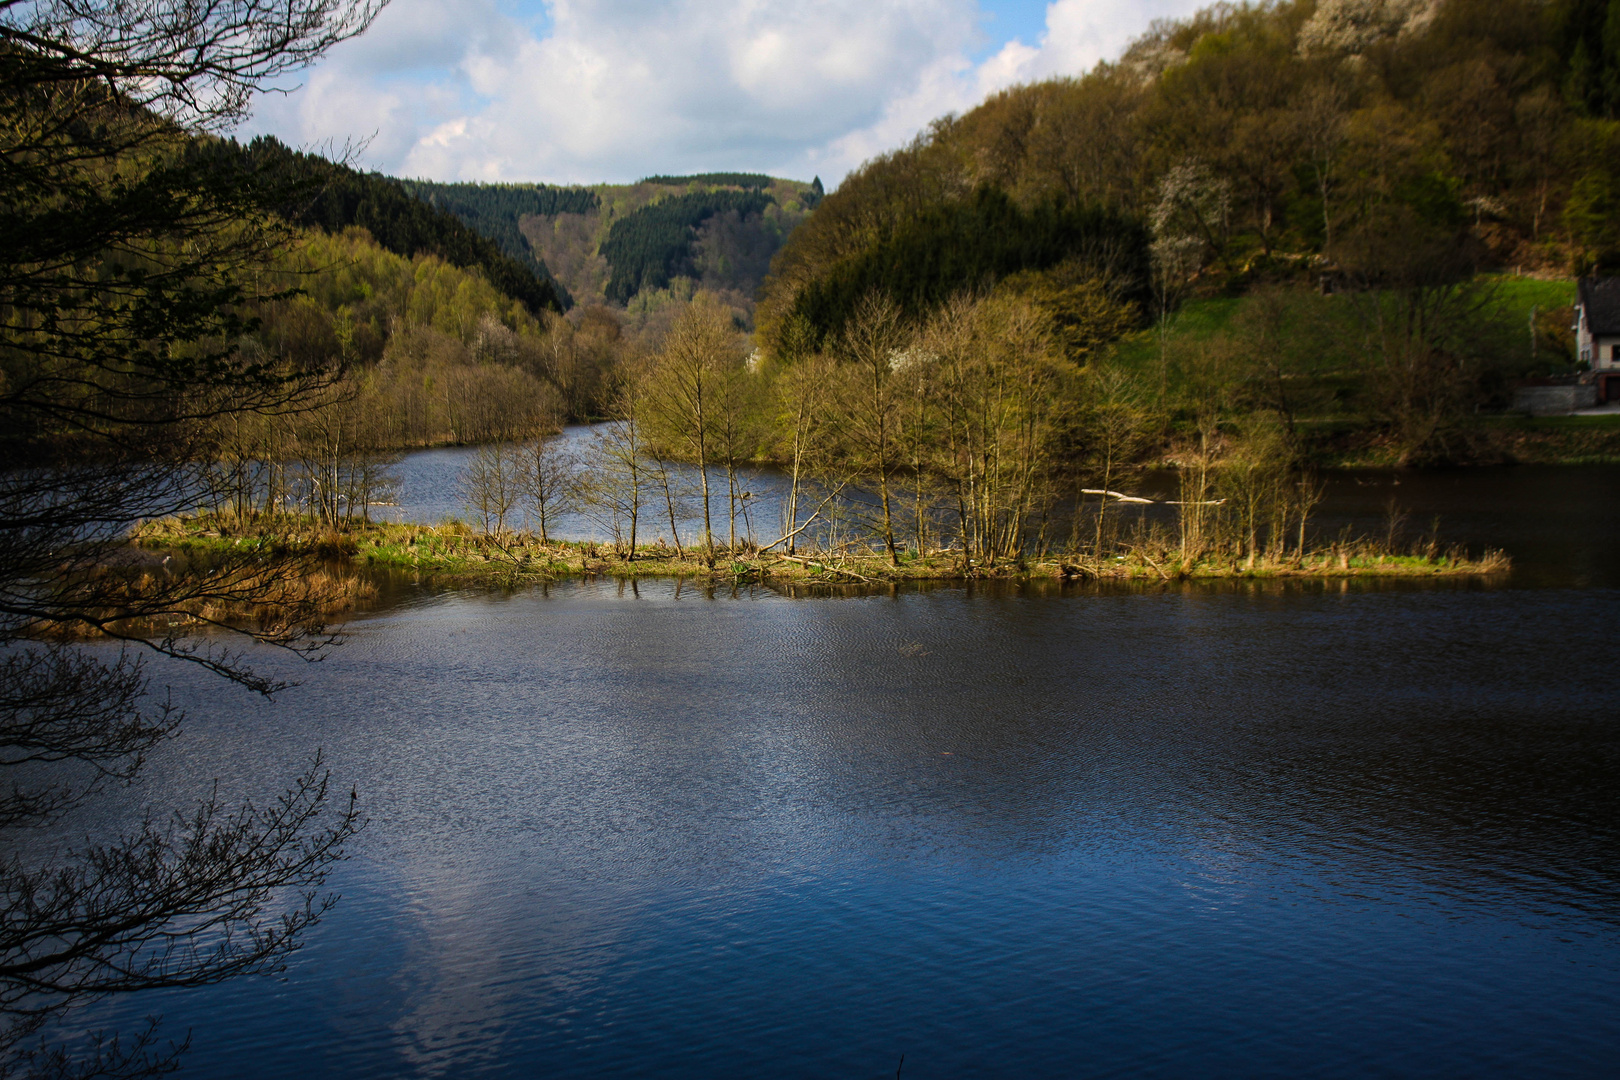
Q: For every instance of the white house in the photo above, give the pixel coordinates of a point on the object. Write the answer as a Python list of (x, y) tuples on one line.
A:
[(1597, 332)]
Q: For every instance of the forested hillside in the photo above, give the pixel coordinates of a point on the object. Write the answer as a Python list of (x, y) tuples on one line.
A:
[(432, 353), (642, 247), (959, 244), (1366, 139), (730, 179), (440, 281), (1365, 184), (652, 245), (320, 194), (494, 210)]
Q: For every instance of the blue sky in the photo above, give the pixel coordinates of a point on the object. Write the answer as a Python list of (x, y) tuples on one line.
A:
[(1007, 20), (576, 91)]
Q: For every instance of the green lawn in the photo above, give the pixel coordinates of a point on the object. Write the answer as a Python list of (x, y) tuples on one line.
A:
[(1518, 294), (1201, 320)]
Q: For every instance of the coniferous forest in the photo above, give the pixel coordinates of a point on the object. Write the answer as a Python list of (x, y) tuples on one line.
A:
[(654, 244), (754, 181), (494, 210)]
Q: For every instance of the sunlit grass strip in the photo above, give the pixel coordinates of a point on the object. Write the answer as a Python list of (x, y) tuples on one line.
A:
[(454, 550)]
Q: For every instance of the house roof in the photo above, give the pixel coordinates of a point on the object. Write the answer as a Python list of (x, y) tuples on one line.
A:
[(1600, 299)]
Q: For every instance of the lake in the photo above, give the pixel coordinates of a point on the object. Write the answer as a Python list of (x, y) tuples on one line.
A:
[(1327, 829)]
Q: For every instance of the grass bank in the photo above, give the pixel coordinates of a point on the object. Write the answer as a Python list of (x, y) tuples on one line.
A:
[(1486, 439), (1307, 355), (456, 552)]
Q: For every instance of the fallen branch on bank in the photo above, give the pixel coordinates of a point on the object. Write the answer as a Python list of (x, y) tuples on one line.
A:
[(823, 566), (1149, 560), (831, 495)]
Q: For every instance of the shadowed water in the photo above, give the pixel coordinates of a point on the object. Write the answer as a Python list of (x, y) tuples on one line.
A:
[(1239, 829)]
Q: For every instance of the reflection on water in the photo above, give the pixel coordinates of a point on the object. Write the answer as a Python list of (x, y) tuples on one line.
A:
[(1326, 829), (1560, 524)]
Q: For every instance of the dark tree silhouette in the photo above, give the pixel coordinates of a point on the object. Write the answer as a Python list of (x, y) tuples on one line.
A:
[(125, 263)]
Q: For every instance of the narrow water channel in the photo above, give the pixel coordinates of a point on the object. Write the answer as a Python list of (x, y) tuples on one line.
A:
[(1561, 523)]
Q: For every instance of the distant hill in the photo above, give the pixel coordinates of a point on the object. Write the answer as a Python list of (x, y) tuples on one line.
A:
[(333, 197), (715, 179), (654, 244), (494, 210), (634, 245)]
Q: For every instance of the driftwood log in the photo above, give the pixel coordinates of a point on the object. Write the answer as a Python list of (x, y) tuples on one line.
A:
[(1124, 498)]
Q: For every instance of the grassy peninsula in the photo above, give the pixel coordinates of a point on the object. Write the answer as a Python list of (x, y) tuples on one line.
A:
[(455, 551)]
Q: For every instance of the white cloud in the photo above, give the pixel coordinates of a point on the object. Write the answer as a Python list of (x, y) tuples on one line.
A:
[(613, 90), (1079, 33), (614, 93)]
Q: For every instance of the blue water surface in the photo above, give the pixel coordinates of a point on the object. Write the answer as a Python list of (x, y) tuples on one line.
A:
[(657, 830)]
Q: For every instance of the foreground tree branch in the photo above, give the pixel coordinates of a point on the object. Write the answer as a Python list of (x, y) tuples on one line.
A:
[(130, 256), (182, 904)]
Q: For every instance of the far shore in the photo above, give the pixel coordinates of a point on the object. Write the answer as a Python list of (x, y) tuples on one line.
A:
[(1490, 439)]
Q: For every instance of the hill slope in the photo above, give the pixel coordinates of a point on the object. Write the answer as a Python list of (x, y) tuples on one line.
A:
[(333, 197), (1378, 142), (494, 210), (638, 245)]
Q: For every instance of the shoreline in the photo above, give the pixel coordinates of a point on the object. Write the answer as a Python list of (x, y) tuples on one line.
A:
[(454, 552), (1489, 440)]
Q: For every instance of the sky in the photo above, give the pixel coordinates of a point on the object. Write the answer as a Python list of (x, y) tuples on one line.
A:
[(590, 91)]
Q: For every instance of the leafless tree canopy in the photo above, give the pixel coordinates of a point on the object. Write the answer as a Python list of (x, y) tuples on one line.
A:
[(194, 62)]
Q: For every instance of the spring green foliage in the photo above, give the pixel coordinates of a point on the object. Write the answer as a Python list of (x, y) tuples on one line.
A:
[(352, 294), (333, 197), (434, 353), (1375, 376), (1201, 322), (1324, 198), (649, 247)]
